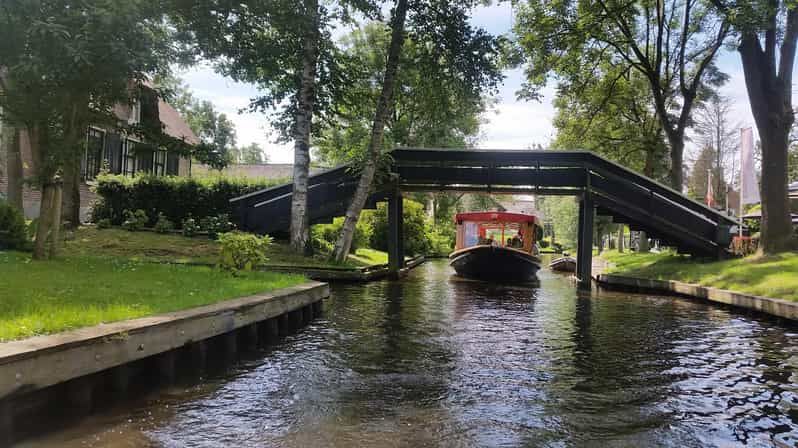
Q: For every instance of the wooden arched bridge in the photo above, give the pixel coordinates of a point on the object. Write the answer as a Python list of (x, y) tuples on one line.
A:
[(602, 186)]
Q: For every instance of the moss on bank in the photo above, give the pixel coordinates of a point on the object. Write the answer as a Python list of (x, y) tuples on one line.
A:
[(775, 276)]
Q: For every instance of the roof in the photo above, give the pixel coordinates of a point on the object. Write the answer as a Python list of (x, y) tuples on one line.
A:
[(265, 171), (174, 125), (494, 217)]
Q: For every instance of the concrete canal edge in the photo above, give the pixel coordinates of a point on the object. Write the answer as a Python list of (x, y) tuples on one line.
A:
[(774, 307), (39, 363)]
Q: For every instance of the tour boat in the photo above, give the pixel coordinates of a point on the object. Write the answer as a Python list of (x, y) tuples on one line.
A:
[(563, 264), (496, 246)]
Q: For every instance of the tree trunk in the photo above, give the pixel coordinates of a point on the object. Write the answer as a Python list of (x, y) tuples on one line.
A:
[(45, 222), (70, 205), (676, 142), (620, 238), (14, 170), (384, 105), (770, 94), (300, 231), (55, 229)]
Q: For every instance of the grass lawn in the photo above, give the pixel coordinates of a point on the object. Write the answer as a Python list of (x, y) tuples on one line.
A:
[(149, 246), (77, 291), (775, 276)]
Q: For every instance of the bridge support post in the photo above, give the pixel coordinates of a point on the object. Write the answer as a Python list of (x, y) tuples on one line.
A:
[(396, 245), (584, 258)]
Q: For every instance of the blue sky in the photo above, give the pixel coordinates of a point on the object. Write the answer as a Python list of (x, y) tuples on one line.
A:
[(511, 124)]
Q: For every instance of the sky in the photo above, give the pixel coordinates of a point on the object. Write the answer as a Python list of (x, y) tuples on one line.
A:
[(511, 124)]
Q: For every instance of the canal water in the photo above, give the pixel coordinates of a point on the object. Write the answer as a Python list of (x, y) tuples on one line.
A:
[(435, 361)]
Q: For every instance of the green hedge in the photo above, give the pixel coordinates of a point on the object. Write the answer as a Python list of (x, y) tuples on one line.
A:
[(175, 197)]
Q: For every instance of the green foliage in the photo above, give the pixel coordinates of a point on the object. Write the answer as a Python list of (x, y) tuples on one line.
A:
[(135, 220), (441, 241), (163, 225), (176, 197), (416, 228), (440, 103), (67, 64), (252, 154), (190, 227), (104, 223), (324, 236), (563, 213), (216, 225), (243, 251), (13, 230)]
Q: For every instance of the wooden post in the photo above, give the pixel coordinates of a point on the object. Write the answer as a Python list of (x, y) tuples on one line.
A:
[(584, 259), (396, 249)]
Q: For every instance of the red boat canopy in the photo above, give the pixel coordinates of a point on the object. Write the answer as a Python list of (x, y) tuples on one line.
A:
[(493, 217)]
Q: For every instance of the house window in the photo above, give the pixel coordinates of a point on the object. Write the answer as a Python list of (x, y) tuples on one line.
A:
[(172, 164), (128, 157), (160, 163), (144, 160), (95, 152)]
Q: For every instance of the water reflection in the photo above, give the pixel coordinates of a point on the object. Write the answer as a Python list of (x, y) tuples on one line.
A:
[(437, 361)]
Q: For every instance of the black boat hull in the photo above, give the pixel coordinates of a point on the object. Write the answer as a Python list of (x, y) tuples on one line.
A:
[(495, 263), (564, 264)]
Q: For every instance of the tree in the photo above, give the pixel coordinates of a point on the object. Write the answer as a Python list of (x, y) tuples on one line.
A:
[(610, 114), (699, 177), (436, 111), (671, 44), (67, 65), (253, 154), (216, 133), (285, 48), (9, 145), (384, 105), (453, 48), (717, 132), (768, 78)]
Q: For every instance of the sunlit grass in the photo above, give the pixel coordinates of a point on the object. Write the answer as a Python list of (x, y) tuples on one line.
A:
[(149, 246), (76, 291), (775, 276)]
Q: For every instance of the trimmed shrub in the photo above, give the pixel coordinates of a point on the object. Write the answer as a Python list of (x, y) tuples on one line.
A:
[(178, 198), (243, 251), (104, 223), (13, 230), (135, 221), (215, 225), (190, 227), (324, 236), (416, 228), (163, 225)]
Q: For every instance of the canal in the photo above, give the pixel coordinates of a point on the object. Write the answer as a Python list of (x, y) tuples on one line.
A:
[(434, 361)]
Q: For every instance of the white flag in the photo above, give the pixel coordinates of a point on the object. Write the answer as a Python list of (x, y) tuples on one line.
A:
[(749, 188)]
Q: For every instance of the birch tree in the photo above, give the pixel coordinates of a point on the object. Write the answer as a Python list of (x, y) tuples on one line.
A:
[(284, 47), (454, 46)]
